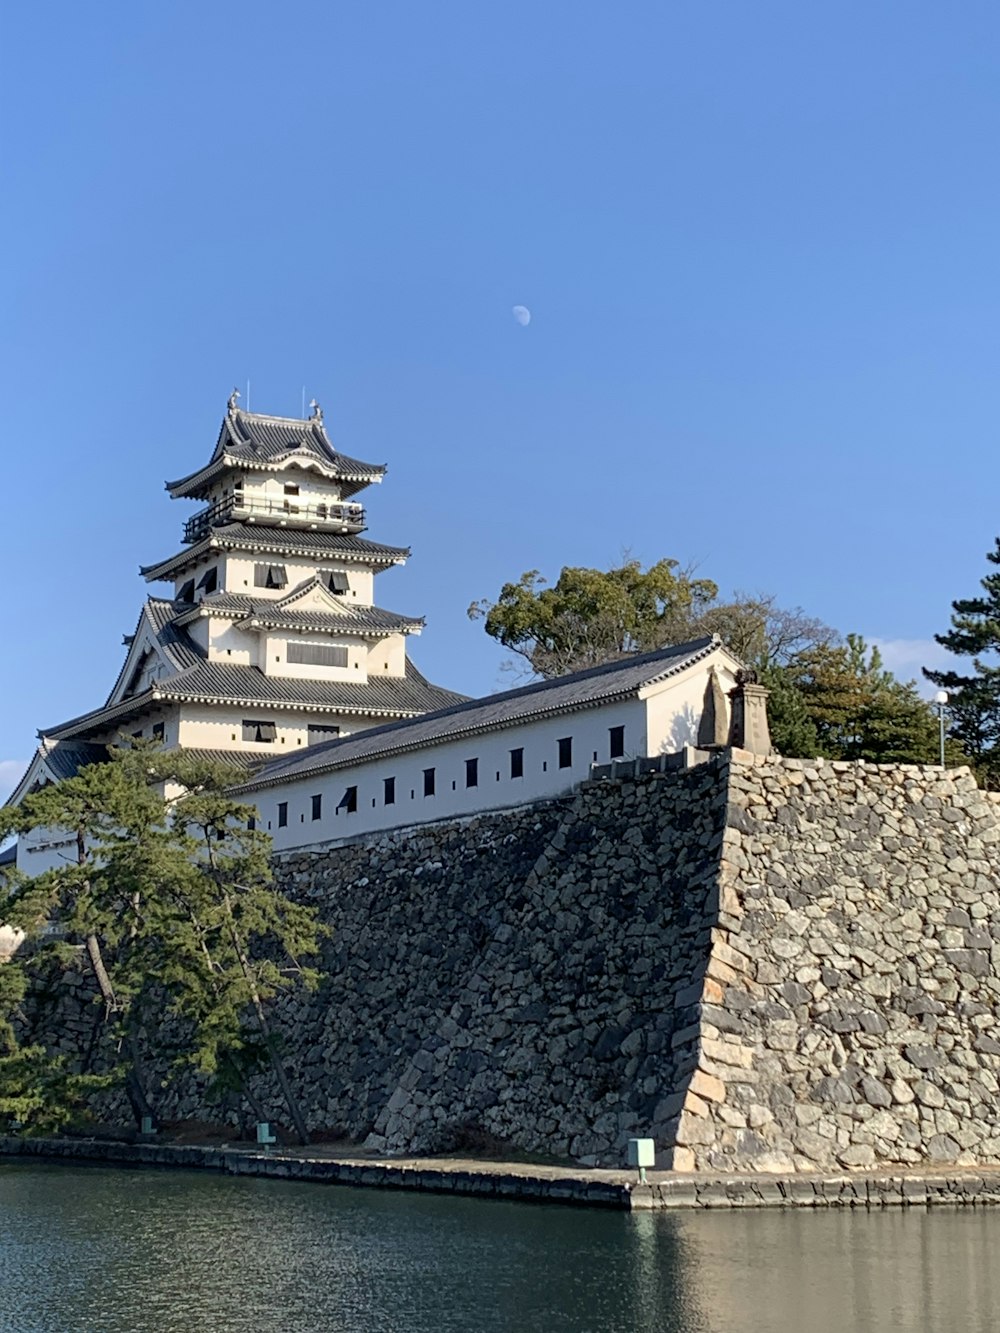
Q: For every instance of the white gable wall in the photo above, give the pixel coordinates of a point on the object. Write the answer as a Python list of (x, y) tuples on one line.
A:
[(674, 710)]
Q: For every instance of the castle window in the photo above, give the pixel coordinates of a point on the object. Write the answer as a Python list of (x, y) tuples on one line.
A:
[(389, 791), (282, 814), (251, 824), (291, 488), (472, 772), (209, 581), (186, 593), (317, 654), (428, 782), (158, 729), (349, 800), (269, 576), (565, 752), (616, 746), (336, 580), (517, 763), (260, 731), (317, 806), (319, 733)]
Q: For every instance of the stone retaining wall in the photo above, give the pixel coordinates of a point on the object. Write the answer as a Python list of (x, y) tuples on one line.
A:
[(857, 1025), (766, 966)]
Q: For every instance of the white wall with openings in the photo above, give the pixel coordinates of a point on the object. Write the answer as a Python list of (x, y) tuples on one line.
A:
[(530, 761)]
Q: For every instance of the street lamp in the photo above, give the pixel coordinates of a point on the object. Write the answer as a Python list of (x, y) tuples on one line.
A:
[(941, 700)]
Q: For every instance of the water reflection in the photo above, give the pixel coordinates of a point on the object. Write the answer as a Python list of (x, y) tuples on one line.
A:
[(90, 1249)]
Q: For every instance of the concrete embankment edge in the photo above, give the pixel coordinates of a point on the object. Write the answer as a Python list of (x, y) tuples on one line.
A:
[(513, 1181)]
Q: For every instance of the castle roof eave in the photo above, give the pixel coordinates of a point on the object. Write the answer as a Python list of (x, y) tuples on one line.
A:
[(281, 541), (214, 683), (193, 485)]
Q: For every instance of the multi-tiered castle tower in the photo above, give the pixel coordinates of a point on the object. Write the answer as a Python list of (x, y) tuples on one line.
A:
[(269, 638)]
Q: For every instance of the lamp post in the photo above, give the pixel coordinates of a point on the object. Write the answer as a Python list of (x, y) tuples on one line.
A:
[(941, 700)]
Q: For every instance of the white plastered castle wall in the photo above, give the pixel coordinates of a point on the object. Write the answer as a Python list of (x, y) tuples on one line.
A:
[(589, 730), (209, 727)]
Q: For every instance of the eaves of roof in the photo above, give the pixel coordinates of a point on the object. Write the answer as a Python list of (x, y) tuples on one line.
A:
[(365, 627), (567, 694), (279, 541), (248, 687)]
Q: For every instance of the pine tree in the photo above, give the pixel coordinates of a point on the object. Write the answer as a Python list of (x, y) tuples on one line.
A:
[(974, 696), (170, 901), (859, 710)]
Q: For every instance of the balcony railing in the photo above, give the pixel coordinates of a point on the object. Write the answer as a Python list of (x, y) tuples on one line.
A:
[(332, 517)]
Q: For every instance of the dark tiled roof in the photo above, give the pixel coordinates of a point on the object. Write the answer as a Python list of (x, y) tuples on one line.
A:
[(261, 440), (583, 689), (353, 619), (217, 682), (281, 541), (370, 621), (66, 758)]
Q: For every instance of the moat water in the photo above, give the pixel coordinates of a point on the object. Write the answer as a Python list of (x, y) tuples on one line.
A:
[(142, 1252)]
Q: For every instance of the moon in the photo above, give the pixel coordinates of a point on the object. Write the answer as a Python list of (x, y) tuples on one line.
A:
[(522, 314)]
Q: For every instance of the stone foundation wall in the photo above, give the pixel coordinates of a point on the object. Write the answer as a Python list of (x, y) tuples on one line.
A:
[(764, 965), (858, 1025)]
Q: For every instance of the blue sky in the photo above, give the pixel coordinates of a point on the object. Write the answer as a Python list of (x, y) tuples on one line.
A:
[(758, 243)]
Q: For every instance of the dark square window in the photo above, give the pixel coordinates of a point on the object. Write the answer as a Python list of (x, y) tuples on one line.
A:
[(269, 576), (209, 581), (317, 807), (349, 800), (158, 731), (517, 763), (291, 488), (282, 814), (251, 824), (616, 737), (428, 782), (389, 791), (186, 593), (336, 580), (472, 772), (565, 752)]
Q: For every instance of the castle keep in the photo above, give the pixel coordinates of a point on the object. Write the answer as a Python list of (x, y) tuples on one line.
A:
[(268, 639)]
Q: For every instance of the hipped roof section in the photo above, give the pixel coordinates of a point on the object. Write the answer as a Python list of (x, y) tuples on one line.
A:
[(250, 441)]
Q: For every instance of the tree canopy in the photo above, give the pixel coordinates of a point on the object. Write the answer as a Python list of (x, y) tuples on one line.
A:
[(170, 907), (591, 616), (827, 696)]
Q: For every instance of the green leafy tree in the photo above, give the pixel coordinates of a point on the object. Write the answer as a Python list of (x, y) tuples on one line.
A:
[(230, 942), (37, 1092), (974, 694), (168, 896), (120, 842), (591, 616)]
